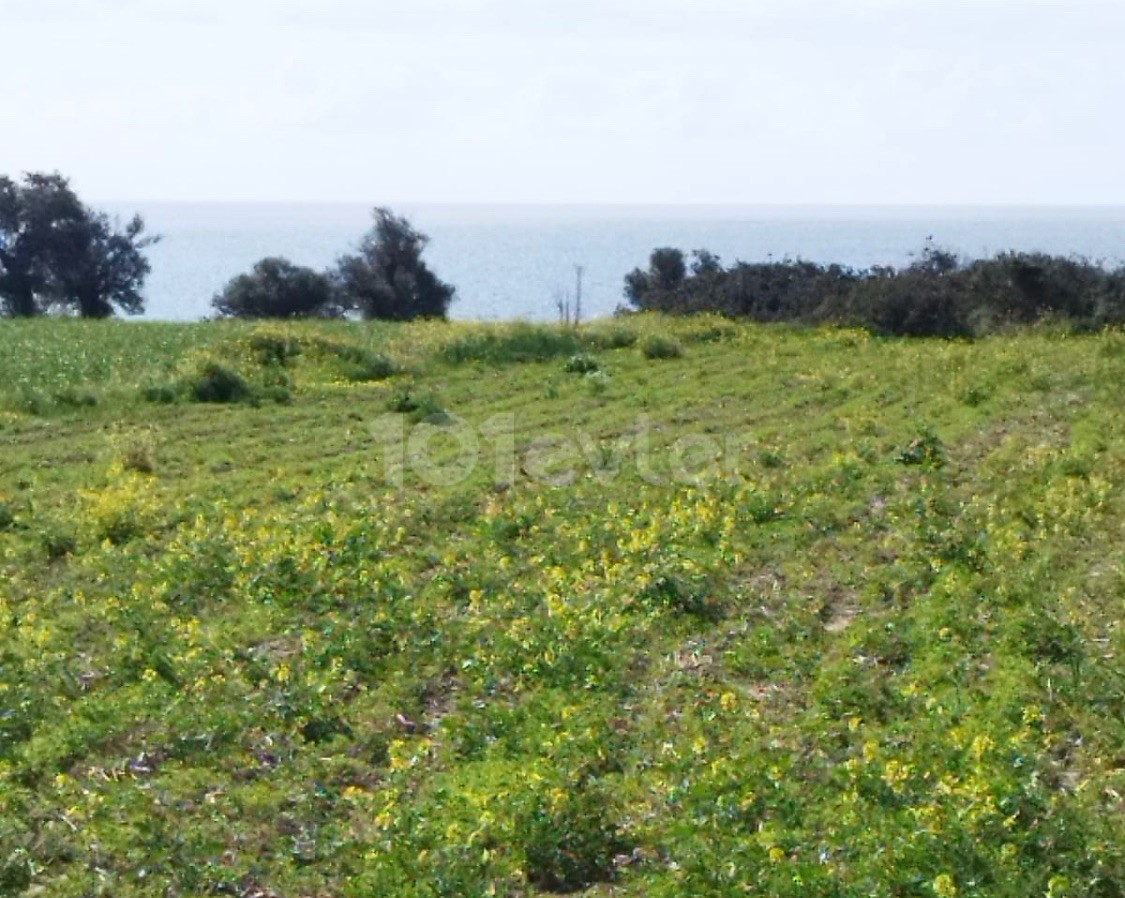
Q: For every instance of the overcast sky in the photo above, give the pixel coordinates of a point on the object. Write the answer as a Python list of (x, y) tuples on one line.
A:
[(603, 101)]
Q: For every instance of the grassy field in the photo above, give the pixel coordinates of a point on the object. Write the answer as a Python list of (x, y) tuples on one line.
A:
[(661, 607)]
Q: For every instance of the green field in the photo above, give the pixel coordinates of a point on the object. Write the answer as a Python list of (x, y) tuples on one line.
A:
[(659, 607)]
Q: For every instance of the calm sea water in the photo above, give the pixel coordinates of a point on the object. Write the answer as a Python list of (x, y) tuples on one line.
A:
[(509, 262)]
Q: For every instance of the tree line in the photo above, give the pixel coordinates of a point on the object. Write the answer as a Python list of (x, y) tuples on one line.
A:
[(939, 294), (59, 256), (385, 278)]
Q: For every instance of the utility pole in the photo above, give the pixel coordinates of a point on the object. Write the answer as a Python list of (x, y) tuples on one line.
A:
[(578, 270)]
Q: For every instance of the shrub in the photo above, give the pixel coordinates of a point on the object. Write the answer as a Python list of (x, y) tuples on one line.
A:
[(521, 342), (58, 543), (668, 591), (581, 364), (569, 839), (666, 272), (138, 453), (926, 450), (611, 338), (597, 382), (419, 406), (163, 394), (217, 383), (370, 366), (7, 515), (937, 295), (276, 288), (661, 347), (76, 398), (275, 349), (35, 403)]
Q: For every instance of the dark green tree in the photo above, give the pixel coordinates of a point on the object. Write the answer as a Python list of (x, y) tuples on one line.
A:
[(100, 266), (387, 277), (667, 270), (276, 288), (32, 212), (57, 254)]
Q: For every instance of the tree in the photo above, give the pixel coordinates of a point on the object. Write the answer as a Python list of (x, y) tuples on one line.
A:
[(56, 253), (99, 265), (276, 288), (31, 214), (387, 278), (667, 270)]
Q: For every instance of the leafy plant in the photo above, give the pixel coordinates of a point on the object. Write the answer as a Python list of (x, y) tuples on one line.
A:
[(7, 515), (569, 838), (926, 449), (581, 364), (520, 342), (219, 384), (657, 346)]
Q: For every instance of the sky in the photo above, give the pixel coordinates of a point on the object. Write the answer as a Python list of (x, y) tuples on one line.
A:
[(569, 101)]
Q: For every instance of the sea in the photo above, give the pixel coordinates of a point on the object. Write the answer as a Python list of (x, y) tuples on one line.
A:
[(510, 262)]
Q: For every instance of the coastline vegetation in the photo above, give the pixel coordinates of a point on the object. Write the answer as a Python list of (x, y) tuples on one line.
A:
[(939, 295)]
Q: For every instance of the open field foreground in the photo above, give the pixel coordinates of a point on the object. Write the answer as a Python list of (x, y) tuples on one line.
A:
[(670, 607)]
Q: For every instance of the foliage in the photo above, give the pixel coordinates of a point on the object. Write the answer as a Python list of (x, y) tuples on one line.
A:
[(519, 342), (100, 266), (658, 346), (276, 288), (938, 295), (57, 254), (666, 272), (569, 838), (218, 383), (7, 515), (387, 278), (581, 364), (30, 213), (873, 648), (615, 337)]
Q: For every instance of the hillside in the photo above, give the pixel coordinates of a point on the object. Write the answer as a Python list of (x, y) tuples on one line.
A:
[(665, 607)]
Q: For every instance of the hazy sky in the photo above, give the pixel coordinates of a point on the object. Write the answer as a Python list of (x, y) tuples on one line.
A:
[(636, 101)]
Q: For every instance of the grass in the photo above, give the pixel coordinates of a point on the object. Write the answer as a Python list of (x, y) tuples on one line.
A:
[(803, 612)]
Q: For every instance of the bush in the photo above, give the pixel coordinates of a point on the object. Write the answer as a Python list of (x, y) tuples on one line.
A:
[(418, 405), (660, 347), (7, 516), (926, 450), (581, 364), (670, 592), (163, 394), (611, 338), (518, 343), (35, 402), (937, 295), (276, 349), (138, 453), (58, 543), (217, 383), (365, 365), (569, 842), (597, 382), (276, 288), (76, 398)]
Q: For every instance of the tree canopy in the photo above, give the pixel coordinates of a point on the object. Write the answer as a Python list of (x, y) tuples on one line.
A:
[(387, 277), (276, 288), (56, 254)]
